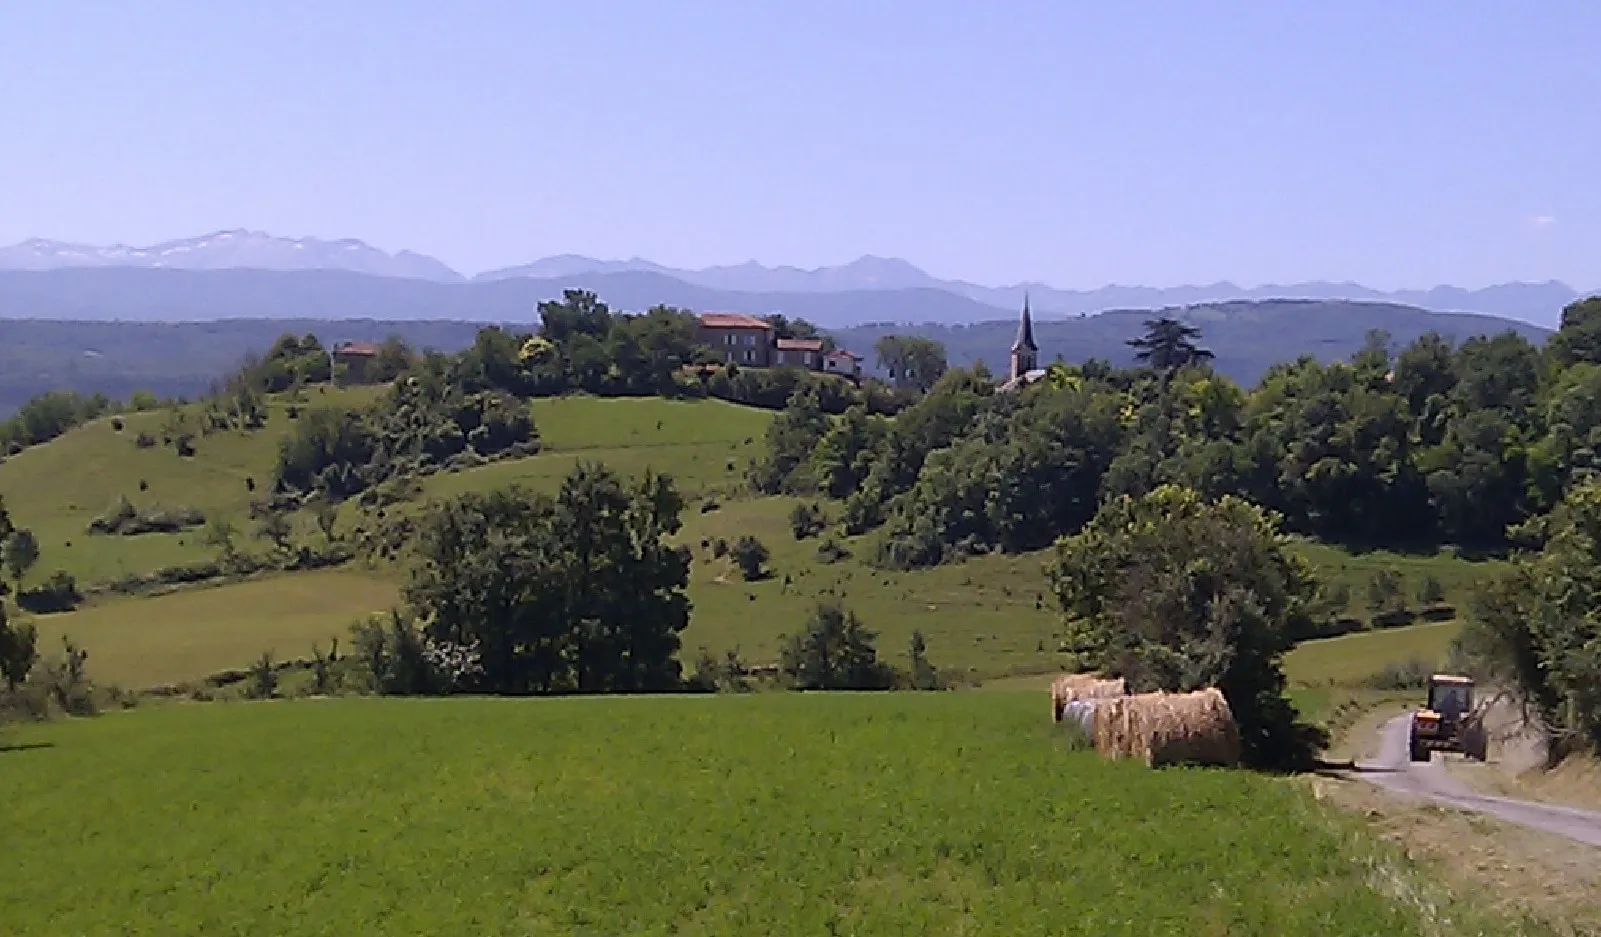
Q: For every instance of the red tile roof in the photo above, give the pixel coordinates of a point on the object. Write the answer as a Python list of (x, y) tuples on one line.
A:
[(731, 320), (842, 353), (800, 344), (360, 349)]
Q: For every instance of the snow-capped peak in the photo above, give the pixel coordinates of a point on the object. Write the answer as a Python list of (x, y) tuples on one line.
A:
[(232, 248)]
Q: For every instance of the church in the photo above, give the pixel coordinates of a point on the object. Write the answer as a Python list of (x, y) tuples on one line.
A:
[(1025, 354)]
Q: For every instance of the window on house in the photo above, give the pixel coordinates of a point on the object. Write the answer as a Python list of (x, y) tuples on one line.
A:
[(750, 339), (749, 355)]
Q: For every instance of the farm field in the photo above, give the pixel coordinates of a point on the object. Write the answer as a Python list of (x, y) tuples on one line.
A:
[(777, 814), (141, 642)]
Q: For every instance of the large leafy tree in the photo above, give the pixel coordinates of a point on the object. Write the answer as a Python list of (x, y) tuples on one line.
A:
[(1175, 592), (1538, 628), (911, 361), (576, 593)]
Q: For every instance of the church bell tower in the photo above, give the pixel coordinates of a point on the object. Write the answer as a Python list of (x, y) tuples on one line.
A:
[(1025, 353)]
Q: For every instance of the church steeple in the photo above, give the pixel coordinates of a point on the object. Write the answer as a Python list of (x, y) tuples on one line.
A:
[(1024, 351)]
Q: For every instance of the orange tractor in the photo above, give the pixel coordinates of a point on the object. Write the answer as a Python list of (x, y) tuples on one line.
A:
[(1449, 723)]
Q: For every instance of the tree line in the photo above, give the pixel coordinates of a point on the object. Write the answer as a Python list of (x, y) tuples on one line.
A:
[(1407, 448)]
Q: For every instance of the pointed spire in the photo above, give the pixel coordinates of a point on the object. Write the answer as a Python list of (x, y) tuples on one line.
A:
[(1025, 330)]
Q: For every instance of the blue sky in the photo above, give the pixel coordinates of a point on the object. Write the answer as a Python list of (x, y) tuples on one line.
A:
[(1076, 143)]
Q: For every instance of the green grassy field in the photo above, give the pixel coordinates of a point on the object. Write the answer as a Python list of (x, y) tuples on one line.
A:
[(1348, 661), (1356, 570), (704, 444), (142, 642), (793, 814), (56, 489), (990, 618)]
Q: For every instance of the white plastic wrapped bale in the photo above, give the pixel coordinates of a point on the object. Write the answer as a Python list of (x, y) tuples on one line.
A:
[(1080, 714)]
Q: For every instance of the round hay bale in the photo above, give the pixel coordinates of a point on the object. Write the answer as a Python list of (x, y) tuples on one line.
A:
[(1080, 686), (1161, 729)]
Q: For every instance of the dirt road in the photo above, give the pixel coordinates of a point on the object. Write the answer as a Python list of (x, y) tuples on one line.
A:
[(1393, 771)]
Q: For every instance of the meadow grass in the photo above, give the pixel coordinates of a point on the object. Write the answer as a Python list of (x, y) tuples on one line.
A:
[(57, 488), (1458, 576), (1350, 660), (781, 814), (990, 618), (140, 642), (704, 444)]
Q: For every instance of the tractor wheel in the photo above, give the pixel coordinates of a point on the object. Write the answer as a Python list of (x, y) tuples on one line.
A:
[(1475, 741), (1420, 752)]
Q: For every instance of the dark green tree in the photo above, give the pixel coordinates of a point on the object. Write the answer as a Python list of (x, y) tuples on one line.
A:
[(18, 650), (835, 652), (580, 592), (1169, 344), (21, 550), (912, 361)]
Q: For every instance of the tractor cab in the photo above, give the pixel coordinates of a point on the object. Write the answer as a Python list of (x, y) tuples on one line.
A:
[(1450, 696), (1449, 721)]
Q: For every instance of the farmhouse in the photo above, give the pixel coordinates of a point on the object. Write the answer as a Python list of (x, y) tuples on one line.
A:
[(840, 361), (752, 342), (357, 358), (739, 339)]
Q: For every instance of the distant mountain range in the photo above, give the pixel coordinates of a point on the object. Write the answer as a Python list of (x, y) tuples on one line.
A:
[(1536, 303)]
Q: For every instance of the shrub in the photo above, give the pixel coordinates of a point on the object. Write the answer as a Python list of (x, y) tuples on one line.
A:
[(1431, 592), (1410, 674), (58, 594), (831, 551), (806, 520), (751, 555)]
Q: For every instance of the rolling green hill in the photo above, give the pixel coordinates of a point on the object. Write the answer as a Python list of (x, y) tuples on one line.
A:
[(986, 618)]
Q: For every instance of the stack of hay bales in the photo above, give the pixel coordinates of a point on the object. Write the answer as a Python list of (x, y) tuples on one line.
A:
[(1168, 728), (1074, 687)]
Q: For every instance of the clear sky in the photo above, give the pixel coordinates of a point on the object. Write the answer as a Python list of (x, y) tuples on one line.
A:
[(1398, 144)]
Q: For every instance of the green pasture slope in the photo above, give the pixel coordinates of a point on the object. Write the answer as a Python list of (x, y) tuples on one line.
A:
[(989, 618), (775, 814), (56, 489)]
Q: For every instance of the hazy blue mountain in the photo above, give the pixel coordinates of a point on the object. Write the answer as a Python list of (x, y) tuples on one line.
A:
[(173, 359), (157, 295), (1537, 303), (230, 249)]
